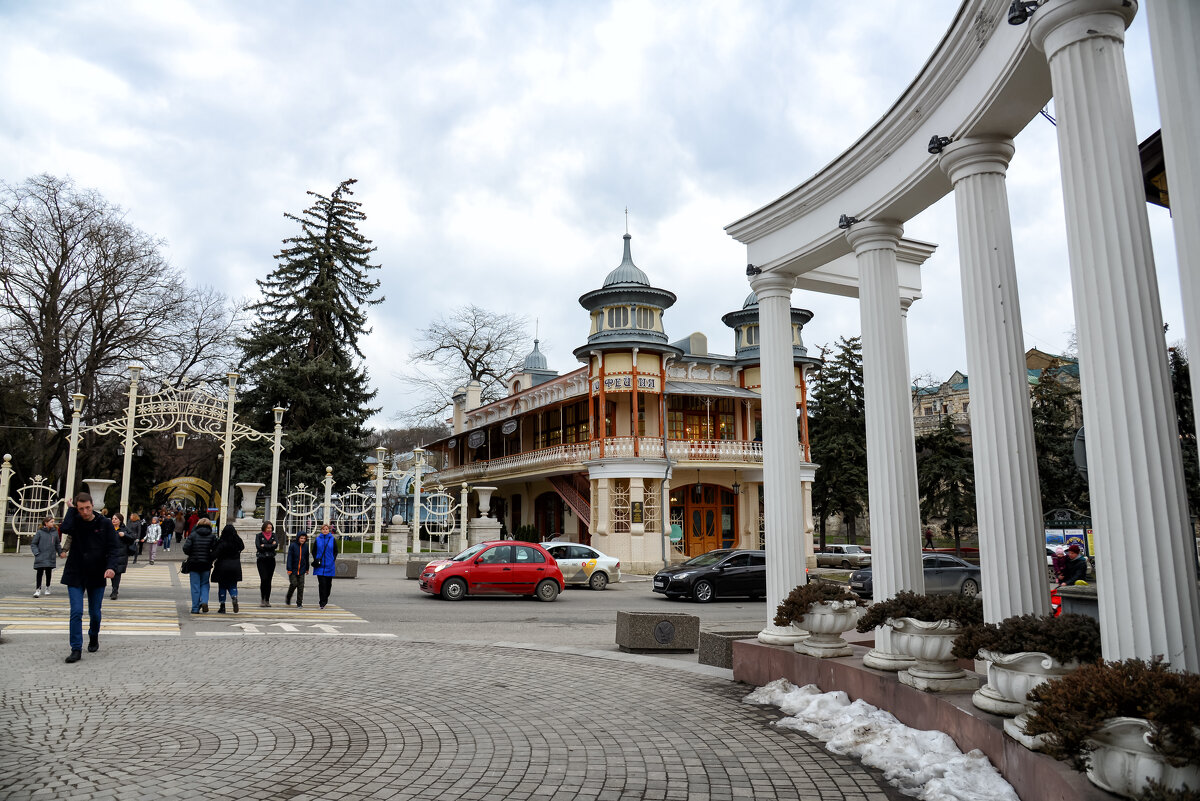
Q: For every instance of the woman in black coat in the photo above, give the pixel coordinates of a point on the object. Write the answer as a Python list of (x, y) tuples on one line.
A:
[(128, 544), (227, 571)]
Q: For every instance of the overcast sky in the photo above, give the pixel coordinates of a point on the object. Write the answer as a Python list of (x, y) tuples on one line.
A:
[(497, 145)]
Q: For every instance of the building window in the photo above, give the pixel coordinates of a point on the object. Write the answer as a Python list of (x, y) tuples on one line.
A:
[(752, 335), (645, 318), (618, 317)]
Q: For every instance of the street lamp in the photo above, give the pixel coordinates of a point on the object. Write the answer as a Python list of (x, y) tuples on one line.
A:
[(180, 436)]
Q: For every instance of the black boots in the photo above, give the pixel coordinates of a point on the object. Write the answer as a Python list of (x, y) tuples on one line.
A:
[(93, 644), (74, 657), (235, 606), (221, 609)]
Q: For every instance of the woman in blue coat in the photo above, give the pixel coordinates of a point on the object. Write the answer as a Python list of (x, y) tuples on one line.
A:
[(324, 556)]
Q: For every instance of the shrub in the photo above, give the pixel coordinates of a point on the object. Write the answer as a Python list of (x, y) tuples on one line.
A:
[(1157, 791), (526, 534), (1066, 638), (801, 599), (1069, 710), (926, 608)]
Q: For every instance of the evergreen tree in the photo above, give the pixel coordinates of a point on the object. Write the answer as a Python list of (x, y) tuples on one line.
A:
[(946, 478), (1052, 407), (1182, 390), (838, 436), (302, 346)]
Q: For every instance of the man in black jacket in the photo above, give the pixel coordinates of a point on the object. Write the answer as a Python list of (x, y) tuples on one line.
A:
[(199, 548), (1075, 568), (92, 553)]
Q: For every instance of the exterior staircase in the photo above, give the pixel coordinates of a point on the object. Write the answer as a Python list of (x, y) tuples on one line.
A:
[(574, 489)]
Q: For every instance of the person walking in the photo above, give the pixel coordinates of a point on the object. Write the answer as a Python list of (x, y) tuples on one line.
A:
[(265, 546), (324, 558), (137, 530), (128, 547), (45, 550), (192, 521), (168, 530), (180, 526), (153, 536), (296, 564), (92, 550), (227, 567), (199, 547)]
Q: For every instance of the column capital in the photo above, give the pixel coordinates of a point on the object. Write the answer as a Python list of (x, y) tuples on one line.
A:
[(875, 235), (1059, 23), (775, 284), (976, 155)]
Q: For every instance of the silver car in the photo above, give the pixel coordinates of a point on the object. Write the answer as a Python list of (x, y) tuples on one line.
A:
[(583, 564), (846, 556)]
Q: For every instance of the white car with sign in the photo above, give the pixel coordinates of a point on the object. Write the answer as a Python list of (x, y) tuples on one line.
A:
[(583, 564)]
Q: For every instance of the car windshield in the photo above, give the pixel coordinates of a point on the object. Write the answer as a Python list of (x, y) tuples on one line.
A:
[(852, 549), (467, 554), (706, 559)]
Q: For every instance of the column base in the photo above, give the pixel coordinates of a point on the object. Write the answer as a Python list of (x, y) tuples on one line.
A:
[(781, 635), (1015, 729), (377, 547), (962, 683), (887, 660), (989, 700)]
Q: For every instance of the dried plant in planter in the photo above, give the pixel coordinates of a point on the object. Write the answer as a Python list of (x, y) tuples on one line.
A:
[(926, 608), (801, 599), (1069, 710), (1156, 791), (1068, 638)]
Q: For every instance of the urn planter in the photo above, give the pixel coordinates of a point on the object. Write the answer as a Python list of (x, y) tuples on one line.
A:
[(1011, 677), (1123, 761), (930, 644), (825, 623)]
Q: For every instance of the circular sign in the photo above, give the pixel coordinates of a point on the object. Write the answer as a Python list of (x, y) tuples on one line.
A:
[(509, 427), (452, 443), (475, 440), (664, 632)]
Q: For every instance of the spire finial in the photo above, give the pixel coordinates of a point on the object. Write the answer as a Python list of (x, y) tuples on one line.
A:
[(536, 322), (626, 219)]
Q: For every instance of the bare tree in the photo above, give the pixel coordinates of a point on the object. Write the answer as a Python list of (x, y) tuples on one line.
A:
[(471, 344), (85, 294)]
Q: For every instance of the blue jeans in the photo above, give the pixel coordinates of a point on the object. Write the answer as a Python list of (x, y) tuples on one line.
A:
[(167, 541), (199, 582), (95, 596), (223, 588)]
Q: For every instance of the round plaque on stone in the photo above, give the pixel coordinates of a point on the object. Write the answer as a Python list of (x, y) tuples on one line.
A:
[(664, 632)]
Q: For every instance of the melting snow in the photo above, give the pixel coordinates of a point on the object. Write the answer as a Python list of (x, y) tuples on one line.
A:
[(924, 764)]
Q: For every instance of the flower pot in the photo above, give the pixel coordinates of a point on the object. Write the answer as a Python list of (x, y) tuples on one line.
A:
[(1124, 762), (1011, 677), (930, 644), (825, 622)]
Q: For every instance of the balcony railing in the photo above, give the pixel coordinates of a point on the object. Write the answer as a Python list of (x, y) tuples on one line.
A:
[(924, 423)]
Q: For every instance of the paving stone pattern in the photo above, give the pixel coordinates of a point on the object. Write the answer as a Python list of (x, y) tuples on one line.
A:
[(312, 718)]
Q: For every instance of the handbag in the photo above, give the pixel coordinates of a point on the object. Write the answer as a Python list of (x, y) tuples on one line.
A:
[(185, 567)]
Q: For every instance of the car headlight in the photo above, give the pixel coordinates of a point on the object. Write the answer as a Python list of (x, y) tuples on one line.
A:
[(682, 575), (439, 568)]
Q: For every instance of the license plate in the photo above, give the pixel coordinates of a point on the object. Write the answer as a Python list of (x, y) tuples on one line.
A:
[(660, 582), (857, 584)]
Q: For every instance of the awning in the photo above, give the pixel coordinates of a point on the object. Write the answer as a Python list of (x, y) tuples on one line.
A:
[(709, 390)]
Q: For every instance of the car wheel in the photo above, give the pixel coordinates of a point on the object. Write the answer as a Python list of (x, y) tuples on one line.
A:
[(546, 590), (703, 591), (599, 580), (970, 588), (454, 589), (845, 565)]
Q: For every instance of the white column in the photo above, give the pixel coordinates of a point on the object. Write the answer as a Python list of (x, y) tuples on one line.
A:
[(784, 510), (1145, 560), (380, 452), (276, 450), (1007, 496), (1175, 48), (227, 446), (891, 453)]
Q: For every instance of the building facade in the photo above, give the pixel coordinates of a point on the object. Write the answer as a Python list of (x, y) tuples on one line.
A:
[(649, 451)]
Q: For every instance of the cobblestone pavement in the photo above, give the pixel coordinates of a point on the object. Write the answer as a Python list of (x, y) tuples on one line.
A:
[(286, 717)]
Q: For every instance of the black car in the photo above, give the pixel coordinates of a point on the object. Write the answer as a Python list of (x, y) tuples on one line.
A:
[(944, 575), (717, 574)]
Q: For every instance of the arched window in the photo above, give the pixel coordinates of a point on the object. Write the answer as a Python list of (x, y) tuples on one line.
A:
[(645, 318), (752, 335), (618, 317)]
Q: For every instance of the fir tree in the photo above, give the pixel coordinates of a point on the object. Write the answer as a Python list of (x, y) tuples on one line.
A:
[(946, 478), (1182, 390), (838, 436), (1052, 408), (301, 350)]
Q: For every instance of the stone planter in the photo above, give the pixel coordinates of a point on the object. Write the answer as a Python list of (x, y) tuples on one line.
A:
[(250, 492), (930, 644), (1011, 677), (1124, 762), (98, 488), (825, 623)]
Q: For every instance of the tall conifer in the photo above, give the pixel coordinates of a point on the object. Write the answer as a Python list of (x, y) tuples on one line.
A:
[(301, 350), (838, 435)]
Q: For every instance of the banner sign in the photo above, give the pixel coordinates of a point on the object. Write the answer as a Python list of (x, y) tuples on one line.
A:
[(624, 383)]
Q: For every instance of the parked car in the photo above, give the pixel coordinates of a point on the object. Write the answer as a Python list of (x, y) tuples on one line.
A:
[(504, 568), (944, 575), (843, 556), (583, 564), (717, 574)]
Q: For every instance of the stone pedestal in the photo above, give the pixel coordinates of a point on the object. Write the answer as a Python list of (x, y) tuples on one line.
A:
[(397, 543), (482, 529), (652, 632)]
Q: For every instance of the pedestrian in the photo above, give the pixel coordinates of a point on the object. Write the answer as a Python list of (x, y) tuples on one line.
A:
[(199, 547), (227, 566), (296, 564), (45, 550), (324, 558), (265, 546), (1076, 566), (153, 536), (1059, 561), (192, 521), (92, 550), (137, 530), (929, 538), (128, 547), (180, 527), (168, 530)]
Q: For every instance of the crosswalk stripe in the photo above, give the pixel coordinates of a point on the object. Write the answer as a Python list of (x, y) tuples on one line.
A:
[(121, 617)]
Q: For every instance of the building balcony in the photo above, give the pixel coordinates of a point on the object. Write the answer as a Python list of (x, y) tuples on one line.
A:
[(925, 423)]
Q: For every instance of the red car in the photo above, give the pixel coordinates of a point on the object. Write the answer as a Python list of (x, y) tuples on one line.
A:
[(495, 568)]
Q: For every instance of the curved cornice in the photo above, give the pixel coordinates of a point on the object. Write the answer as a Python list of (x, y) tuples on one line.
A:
[(984, 77)]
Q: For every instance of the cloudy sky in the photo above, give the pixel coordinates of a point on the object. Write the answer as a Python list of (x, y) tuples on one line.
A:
[(497, 145)]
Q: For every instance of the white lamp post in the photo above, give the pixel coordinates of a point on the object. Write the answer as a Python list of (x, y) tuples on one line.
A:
[(76, 410), (127, 462), (276, 450), (380, 452), (227, 447)]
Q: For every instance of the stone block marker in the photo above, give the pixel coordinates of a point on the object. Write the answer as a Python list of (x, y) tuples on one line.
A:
[(655, 632), (716, 647), (345, 568)]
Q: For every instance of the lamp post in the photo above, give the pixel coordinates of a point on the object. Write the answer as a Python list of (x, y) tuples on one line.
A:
[(416, 521), (127, 462), (227, 446), (76, 410), (380, 452), (276, 450)]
